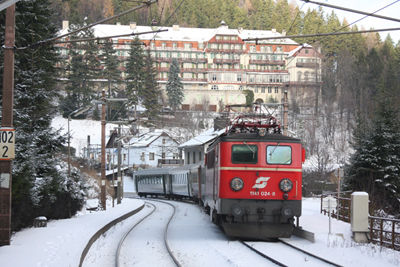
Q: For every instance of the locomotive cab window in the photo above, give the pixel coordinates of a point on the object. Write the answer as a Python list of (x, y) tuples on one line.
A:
[(244, 154), (279, 155)]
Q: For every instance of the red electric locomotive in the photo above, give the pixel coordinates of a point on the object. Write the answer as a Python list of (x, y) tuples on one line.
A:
[(253, 179)]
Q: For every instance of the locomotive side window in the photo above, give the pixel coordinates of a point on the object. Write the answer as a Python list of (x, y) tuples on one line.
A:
[(279, 155), (244, 154)]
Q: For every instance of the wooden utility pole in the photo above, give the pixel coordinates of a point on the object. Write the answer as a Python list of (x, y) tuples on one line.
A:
[(103, 151), (285, 112), (7, 121)]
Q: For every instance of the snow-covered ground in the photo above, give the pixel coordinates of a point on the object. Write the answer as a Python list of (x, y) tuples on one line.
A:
[(62, 241)]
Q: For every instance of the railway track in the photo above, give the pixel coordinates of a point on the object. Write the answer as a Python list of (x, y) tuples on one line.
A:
[(279, 253), (165, 233)]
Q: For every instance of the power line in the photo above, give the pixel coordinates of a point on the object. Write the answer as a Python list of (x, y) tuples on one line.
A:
[(352, 10), (319, 34), (367, 16), (107, 37), (147, 3)]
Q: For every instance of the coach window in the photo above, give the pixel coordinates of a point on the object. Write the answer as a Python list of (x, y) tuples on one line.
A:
[(279, 155), (210, 159), (244, 154)]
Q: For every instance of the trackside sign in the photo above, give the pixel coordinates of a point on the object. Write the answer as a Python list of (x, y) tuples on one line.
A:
[(7, 143)]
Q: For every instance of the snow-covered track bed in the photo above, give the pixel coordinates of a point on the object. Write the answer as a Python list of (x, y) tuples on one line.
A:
[(284, 254), (146, 243)]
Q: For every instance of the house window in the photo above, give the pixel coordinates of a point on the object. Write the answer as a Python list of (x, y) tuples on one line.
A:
[(276, 90), (163, 155), (194, 157), (163, 141), (269, 90), (151, 156), (263, 90), (142, 156), (188, 158), (239, 77)]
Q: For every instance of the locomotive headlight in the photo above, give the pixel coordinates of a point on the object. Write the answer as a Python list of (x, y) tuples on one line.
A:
[(285, 185), (237, 184)]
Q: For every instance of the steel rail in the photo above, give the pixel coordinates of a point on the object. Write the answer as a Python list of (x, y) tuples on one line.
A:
[(263, 255), (117, 264), (166, 233), (309, 254)]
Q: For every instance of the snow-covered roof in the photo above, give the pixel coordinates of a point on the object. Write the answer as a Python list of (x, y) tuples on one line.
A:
[(294, 51), (177, 33), (203, 138), (146, 139)]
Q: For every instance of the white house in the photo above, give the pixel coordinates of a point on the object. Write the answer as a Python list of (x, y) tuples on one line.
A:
[(147, 150), (195, 148)]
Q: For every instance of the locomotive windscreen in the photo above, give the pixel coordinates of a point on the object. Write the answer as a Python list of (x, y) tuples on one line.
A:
[(279, 155), (244, 154)]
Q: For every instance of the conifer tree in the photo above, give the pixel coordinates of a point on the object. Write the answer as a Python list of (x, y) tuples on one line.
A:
[(135, 73), (39, 187), (375, 165), (152, 94), (112, 74), (83, 69), (174, 86)]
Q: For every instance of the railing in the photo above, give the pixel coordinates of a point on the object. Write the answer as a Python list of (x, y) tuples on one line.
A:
[(382, 231), (342, 211), (385, 232)]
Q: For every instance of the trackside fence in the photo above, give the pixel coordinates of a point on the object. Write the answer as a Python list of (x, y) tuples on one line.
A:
[(383, 231)]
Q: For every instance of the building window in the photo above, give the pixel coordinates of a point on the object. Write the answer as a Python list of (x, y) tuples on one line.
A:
[(163, 155), (276, 90), (194, 157), (188, 158), (306, 76), (214, 77), (263, 90), (240, 88), (256, 90), (214, 87), (174, 45), (142, 156), (163, 141), (151, 156), (269, 90)]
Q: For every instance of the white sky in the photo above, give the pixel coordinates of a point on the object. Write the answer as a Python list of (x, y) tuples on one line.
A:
[(370, 6)]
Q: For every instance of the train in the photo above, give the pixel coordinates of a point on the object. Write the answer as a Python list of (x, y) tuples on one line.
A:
[(250, 182)]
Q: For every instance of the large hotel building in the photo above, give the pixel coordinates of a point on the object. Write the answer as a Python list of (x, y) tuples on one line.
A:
[(217, 65)]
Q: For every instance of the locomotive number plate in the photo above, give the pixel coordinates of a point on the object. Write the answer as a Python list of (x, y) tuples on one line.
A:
[(7, 143)]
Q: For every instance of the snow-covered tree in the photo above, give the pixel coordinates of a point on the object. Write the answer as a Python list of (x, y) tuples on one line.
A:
[(375, 165), (174, 86), (39, 187)]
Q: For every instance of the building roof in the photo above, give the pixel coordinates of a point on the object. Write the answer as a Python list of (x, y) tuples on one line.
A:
[(203, 138), (146, 139), (297, 49), (177, 33)]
